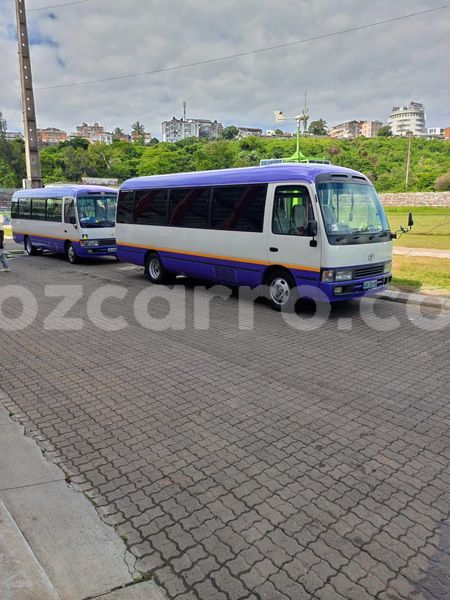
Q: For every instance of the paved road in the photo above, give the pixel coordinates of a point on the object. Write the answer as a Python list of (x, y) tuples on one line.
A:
[(261, 464)]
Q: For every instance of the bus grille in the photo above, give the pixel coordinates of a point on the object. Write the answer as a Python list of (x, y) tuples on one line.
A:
[(368, 271), (107, 242)]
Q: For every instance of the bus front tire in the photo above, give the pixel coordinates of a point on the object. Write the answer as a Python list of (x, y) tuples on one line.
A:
[(70, 254), (281, 291), (29, 248), (155, 270)]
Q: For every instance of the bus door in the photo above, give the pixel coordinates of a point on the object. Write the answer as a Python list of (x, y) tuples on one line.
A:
[(290, 233), (71, 231)]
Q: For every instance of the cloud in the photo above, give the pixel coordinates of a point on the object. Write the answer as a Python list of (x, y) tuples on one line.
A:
[(356, 75)]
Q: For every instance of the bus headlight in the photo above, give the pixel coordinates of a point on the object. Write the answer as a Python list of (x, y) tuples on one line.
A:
[(388, 266), (343, 274), (328, 276)]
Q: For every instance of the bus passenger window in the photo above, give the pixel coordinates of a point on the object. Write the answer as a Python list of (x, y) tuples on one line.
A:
[(292, 211), (125, 207), (54, 209), (25, 208), (150, 207), (69, 211), (38, 209), (189, 207), (239, 208)]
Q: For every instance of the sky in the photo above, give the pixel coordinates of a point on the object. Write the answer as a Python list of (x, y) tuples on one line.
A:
[(356, 75)]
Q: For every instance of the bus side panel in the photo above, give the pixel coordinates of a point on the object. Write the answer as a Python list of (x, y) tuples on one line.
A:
[(221, 270)]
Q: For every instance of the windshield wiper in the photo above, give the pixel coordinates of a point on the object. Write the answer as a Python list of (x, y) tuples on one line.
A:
[(379, 234), (347, 235)]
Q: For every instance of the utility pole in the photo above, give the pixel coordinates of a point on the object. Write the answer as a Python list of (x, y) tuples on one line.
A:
[(34, 178), (408, 159)]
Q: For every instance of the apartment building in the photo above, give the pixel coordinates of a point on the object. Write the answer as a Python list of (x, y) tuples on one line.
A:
[(405, 119), (245, 132), (179, 129), (346, 131), (51, 136), (370, 129)]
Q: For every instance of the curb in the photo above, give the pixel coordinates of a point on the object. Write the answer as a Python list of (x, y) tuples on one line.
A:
[(420, 299)]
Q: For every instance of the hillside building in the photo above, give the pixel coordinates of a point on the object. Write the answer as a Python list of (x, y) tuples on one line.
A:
[(405, 119), (179, 129)]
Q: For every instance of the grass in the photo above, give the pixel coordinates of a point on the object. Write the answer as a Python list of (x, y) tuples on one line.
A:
[(421, 274), (431, 226)]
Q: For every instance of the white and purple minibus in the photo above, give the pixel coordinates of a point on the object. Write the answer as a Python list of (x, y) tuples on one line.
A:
[(77, 220), (281, 226)]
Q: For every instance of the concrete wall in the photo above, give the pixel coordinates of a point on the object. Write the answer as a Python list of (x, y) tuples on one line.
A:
[(5, 198), (417, 199)]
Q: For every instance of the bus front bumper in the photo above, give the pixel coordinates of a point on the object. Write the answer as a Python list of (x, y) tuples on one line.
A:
[(94, 251), (350, 290)]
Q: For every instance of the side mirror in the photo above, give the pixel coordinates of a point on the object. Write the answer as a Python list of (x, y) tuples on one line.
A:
[(313, 228), (410, 220)]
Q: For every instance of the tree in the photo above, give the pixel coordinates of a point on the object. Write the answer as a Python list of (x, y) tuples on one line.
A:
[(75, 142), (318, 127), (278, 132), (442, 183), (230, 133), (118, 133), (137, 131), (216, 155), (384, 131), (7, 176)]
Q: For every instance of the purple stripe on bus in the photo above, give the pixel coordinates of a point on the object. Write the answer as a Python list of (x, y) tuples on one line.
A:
[(243, 176), (214, 269)]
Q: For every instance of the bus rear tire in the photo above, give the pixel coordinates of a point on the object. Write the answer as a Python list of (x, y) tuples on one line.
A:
[(70, 254), (29, 248), (155, 270), (281, 291)]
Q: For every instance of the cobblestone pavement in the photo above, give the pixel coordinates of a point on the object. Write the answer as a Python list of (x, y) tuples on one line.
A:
[(264, 464)]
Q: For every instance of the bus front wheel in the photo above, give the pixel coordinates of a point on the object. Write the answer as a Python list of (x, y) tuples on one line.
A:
[(155, 270), (29, 248), (70, 254), (281, 291)]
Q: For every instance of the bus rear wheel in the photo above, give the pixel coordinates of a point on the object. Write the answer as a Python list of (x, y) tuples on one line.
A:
[(155, 270), (29, 248), (281, 291), (70, 254)]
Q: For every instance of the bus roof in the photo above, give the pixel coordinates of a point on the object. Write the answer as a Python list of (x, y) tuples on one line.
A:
[(262, 174), (59, 191)]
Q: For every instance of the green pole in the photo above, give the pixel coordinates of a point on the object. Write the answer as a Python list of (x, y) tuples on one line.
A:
[(298, 138)]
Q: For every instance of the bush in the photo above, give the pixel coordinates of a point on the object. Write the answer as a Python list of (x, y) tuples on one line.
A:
[(442, 183)]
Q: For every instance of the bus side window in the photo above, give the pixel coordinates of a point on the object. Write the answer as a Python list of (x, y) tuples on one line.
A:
[(69, 211), (54, 209), (292, 211)]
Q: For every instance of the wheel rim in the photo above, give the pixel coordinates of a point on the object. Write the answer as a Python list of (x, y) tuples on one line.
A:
[(71, 254), (154, 268), (28, 246), (280, 292)]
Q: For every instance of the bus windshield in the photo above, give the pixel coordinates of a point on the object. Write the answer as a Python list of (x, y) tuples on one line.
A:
[(350, 210), (97, 211)]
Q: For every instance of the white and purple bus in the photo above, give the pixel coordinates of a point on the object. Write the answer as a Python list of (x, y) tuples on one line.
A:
[(76, 220), (282, 226)]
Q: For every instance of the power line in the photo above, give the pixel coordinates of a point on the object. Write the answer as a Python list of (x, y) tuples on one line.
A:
[(247, 52), (57, 5)]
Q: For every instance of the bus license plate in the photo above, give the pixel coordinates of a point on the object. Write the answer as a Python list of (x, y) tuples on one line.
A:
[(368, 285), (112, 249)]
